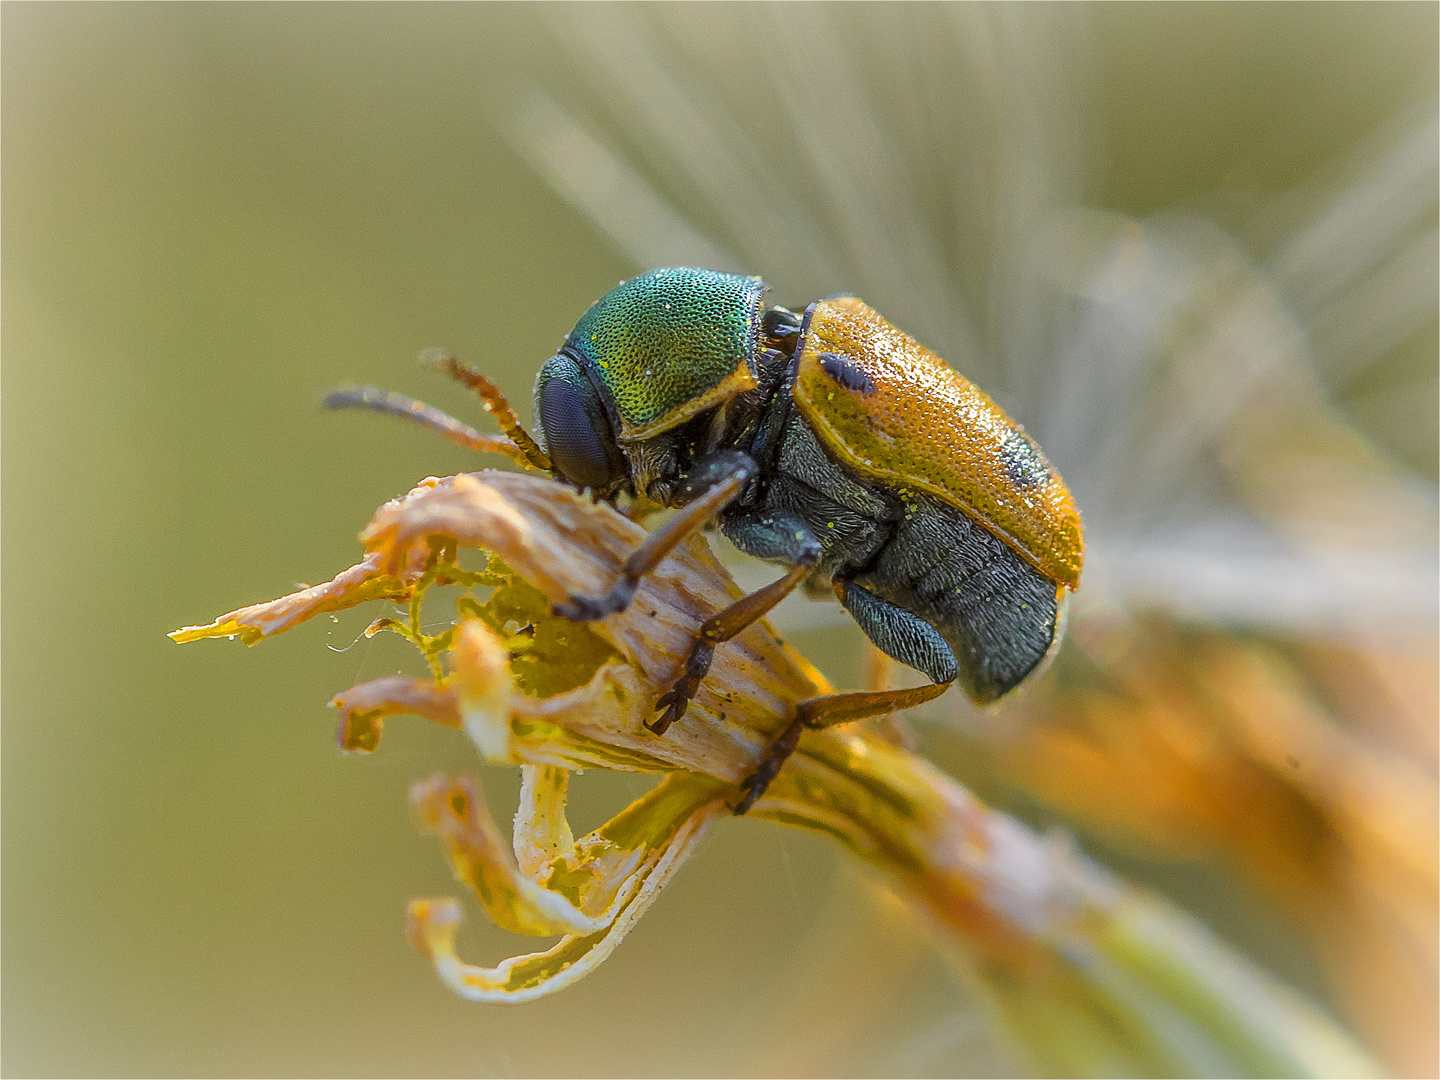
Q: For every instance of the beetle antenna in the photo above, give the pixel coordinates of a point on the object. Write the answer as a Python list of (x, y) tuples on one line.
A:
[(383, 401), (495, 405)]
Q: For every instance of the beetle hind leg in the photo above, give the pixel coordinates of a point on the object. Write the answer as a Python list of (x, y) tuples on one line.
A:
[(899, 634), (895, 632), (822, 712)]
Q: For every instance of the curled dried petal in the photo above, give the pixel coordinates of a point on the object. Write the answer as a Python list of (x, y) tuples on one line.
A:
[(615, 873), (363, 708), (363, 581)]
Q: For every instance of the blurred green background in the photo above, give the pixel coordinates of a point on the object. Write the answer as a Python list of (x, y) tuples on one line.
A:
[(212, 213)]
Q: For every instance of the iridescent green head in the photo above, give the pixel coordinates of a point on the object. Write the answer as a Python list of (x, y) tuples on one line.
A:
[(670, 344), (650, 354)]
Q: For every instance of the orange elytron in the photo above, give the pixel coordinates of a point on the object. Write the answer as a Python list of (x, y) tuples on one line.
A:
[(914, 421)]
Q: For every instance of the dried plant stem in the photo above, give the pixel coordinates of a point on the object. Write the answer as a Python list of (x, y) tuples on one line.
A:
[(1094, 976)]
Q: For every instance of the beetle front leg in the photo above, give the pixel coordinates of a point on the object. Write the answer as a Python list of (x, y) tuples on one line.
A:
[(721, 478)]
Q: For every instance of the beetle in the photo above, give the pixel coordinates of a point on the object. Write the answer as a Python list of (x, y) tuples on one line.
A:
[(827, 441)]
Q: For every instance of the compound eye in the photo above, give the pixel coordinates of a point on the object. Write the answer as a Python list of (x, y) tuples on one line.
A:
[(577, 449)]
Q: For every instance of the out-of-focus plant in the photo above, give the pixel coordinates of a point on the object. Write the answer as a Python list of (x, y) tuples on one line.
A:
[(1096, 977), (1251, 679)]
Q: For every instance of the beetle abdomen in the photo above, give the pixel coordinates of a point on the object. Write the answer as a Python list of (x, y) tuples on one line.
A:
[(890, 409), (998, 614)]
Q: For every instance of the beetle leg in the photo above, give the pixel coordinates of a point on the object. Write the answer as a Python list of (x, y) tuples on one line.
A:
[(823, 712), (898, 633), (659, 544), (718, 628), (775, 535), (892, 727), (877, 667), (895, 633)]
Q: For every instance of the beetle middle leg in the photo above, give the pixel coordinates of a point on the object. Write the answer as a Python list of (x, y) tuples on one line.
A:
[(718, 628), (774, 535)]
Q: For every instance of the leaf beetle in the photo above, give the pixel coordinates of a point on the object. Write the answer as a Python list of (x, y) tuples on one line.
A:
[(828, 442)]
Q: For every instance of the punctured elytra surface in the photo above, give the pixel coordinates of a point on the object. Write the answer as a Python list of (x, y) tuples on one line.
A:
[(889, 408)]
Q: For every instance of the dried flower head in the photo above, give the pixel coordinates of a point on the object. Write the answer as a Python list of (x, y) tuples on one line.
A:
[(1094, 975)]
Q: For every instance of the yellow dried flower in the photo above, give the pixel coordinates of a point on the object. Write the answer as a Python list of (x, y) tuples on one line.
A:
[(1095, 976)]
